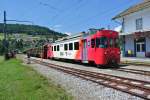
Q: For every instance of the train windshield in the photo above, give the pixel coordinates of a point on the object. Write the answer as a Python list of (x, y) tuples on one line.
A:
[(101, 42), (116, 43)]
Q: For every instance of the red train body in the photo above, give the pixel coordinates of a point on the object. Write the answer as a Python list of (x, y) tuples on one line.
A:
[(101, 47)]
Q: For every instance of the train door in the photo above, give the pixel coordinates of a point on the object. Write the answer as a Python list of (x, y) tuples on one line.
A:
[(84, 51)]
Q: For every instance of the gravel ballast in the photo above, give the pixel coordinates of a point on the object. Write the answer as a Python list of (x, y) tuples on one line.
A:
[(82, 89), (108, 70)]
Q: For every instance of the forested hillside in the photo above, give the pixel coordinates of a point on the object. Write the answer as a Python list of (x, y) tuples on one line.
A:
[(22, 37), (30, 30)]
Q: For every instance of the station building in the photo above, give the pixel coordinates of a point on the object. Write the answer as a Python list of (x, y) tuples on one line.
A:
[(135, 33)]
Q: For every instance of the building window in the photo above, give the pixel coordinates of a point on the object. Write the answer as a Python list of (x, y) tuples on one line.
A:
[(76, 45), (70, 46), (65, 47), (138, 47), (57, 47), (139, 24), (54, 48), (143, 47)]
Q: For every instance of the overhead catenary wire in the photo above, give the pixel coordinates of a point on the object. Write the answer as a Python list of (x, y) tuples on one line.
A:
[(57, 14), (50, 6), (54, 8), (103, 13), (80, 22), (68, 9), (21, 21)]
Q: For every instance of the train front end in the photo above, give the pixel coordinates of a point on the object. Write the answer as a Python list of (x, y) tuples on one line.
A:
[(107, 51)]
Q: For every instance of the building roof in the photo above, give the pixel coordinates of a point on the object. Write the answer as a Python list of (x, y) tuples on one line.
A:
[(135, 8)]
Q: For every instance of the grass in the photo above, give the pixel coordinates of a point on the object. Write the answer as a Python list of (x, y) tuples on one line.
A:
[(1, 36), (19, 82)]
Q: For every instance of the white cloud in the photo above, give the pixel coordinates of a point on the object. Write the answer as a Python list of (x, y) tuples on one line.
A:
[(57, 26), (118, 28), (68, 33)]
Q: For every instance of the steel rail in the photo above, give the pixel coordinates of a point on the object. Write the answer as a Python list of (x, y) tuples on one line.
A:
[(135, 71), (127, 85)]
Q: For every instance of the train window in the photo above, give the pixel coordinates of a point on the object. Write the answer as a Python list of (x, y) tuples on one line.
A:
[(102, 42), (88, 43), (61, 45), (97, 42), (57, 47), (76, 45), (93, 43), (116, 42), (111, 42), (70, 46), (54, 48), (65, 47)]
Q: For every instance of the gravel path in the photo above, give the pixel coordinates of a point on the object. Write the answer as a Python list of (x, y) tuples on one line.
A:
[(82, 89)]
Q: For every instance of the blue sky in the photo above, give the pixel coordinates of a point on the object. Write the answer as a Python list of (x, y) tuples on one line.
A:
[(67, 16)]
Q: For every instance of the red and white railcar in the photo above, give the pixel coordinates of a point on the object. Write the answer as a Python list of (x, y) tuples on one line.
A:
[(98, 46)]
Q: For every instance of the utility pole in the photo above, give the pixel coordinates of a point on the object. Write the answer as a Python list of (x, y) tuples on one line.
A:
[(5, 43), (4, 31)]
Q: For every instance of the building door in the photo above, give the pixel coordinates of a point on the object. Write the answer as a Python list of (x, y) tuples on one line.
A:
[(140, 48), (84, 52)]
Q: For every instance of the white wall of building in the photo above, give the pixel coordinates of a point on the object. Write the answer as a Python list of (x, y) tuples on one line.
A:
[(130, 21), (129, 45), (147, 44)]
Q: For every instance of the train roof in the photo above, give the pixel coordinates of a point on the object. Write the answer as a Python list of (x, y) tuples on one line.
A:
[(79, 35)]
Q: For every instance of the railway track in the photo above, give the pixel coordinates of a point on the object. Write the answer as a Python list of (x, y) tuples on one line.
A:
[(135, 71), (132, 86)]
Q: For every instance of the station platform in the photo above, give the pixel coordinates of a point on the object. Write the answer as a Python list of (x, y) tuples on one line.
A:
[(136, 61)]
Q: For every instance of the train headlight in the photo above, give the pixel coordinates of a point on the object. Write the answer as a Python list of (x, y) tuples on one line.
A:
[(105, 52)]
